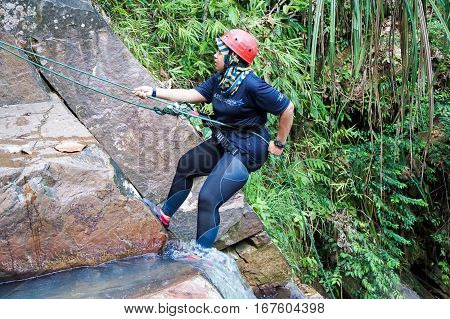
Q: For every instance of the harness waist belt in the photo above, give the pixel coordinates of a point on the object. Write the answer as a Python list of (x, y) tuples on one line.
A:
[(222, 139)]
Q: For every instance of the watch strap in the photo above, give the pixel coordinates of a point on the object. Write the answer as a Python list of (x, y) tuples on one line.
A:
[(278, 143)]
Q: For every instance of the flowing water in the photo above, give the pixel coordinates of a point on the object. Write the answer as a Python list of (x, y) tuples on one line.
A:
[(123, 278), (219, 268)]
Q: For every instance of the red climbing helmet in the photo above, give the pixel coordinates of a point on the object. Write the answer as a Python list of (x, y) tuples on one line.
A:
[(242, 43)]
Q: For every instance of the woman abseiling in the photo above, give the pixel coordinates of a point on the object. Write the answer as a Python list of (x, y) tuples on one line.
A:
[(242, 100)]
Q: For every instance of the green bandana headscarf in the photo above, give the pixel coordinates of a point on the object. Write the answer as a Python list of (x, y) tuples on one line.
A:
[(235, 71)]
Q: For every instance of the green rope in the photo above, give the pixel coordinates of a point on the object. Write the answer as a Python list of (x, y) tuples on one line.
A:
[(175, 110), (78, 70)]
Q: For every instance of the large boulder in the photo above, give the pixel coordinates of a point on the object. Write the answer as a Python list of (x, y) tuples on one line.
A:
[(146, 146), (66, 208)]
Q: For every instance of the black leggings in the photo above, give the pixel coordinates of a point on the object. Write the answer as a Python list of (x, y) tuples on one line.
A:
[(227, 174)]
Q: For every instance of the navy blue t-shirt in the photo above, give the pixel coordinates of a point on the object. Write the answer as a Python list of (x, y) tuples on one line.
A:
[(248, 106)]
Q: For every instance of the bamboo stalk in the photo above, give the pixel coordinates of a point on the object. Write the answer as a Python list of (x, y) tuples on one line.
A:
[(429, 70)]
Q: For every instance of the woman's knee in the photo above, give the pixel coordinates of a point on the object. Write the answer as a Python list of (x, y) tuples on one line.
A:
[(237, 170)]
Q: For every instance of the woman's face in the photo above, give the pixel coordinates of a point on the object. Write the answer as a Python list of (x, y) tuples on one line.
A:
[(219, 61)]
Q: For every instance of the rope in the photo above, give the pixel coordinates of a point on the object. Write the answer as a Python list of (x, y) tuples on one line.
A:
[(175, 110)]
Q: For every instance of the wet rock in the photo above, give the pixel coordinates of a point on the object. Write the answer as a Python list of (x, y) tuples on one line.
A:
[(193, 287), (61, 210)]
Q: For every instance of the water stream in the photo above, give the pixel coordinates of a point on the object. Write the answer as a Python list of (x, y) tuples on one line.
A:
[(219, 268), (125, 278)]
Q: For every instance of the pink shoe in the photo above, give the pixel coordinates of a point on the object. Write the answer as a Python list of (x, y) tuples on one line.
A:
[(156, 210)]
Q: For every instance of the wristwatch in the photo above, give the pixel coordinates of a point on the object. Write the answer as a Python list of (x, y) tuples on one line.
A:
[(152, 92), (278, 144)]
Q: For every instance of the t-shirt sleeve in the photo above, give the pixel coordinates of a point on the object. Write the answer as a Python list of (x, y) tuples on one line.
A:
[(207, 88), (268, 98)]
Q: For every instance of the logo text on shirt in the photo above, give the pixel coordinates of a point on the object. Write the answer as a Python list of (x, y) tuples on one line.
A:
[(280, 97), (236, 103)]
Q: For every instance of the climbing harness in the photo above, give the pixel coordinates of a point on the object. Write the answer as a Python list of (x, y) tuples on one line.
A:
[(222, 139), (183, 109)]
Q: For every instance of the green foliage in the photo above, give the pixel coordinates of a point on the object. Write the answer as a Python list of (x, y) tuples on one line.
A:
[(369, 168), (175, 39)]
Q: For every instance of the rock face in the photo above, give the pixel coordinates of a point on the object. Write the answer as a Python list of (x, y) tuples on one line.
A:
[(145, 145), (60, 210)]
